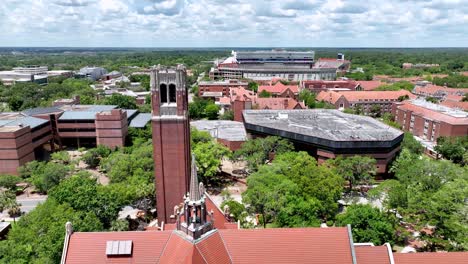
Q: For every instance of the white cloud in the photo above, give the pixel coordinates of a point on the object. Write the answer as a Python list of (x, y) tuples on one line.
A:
[(233, 23)]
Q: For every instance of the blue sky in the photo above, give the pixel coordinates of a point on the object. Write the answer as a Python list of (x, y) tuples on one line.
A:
[(234, 23)]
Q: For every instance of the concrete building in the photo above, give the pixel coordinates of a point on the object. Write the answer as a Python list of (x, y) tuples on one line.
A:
[(429, 121), (339, 64), (266, 65), (327, 133), (37, 74), (229, 133), (218, 89), (28, 135), (91, 73), (57, 73), (365, 100)]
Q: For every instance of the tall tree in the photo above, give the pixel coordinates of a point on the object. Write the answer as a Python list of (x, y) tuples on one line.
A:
[(368, 224), (257, 151), (293, 191), (121, 101), (355, 169)]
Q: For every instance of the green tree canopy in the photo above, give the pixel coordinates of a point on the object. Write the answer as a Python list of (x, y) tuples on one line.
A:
[(429, 192), (368, 224), (293, 191), (257, 151), (38, 236), (121, 101), (453, 148), (9, 181), (208, 157), (211, 111), (45, 176), (411, 144), (354, 169)]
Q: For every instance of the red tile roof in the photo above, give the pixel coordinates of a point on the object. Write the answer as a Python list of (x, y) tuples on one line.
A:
[(241, 94), (431, 258), (320, 84), (288, 245), (278, 88), (91, 247), (177, 250), (370, 85), (213, 249), (278, 103), (328, 96), (455, 104), (352, 96), (359, 96), (431, 89), (372, 255)]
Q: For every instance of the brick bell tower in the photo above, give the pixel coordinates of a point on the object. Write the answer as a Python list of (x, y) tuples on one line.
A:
[(171, 138)]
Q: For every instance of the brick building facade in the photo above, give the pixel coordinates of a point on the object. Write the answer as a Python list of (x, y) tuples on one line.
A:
[(26, 136), (365, 100), (217, 89), (171, 138), (430, 121)]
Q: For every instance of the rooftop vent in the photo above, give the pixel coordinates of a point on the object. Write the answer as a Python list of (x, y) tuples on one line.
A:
[(282, 115), (119, 248)]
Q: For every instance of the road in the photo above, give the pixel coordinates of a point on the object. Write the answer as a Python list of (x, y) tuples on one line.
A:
[(27, 204)]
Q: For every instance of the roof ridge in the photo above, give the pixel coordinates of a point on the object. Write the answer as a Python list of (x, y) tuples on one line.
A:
[(165, 246), (225, 247)]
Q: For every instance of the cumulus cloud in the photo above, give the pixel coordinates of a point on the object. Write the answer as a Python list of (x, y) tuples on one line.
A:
[(234, 23), (166, 7), (74, 2)]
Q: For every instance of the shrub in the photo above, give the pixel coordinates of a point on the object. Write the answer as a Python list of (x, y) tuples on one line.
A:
[(9, 181)]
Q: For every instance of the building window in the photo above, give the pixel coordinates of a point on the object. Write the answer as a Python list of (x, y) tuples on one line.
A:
[(163, 93), (172, 93)]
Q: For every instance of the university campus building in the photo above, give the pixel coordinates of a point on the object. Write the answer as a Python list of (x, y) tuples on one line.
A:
[(325, 133), (365, 100), (192, 229), (266, 65), (29, 135), (429, 121), (218, 89)]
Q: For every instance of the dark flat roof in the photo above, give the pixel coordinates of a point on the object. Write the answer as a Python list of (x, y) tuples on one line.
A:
[(324, 127)]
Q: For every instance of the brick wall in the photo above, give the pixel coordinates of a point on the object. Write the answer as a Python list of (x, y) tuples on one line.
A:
[(111, 128), (16, 148)]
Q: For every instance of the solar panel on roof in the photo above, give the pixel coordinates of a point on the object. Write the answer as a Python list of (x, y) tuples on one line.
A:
[(119, 248)]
